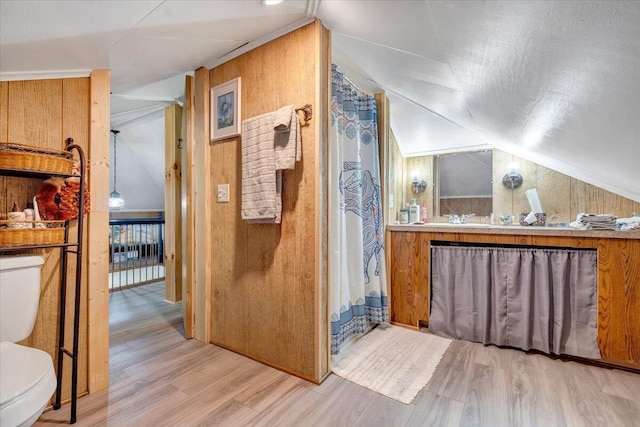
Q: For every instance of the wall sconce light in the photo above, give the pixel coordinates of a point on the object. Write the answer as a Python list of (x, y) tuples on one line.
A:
[(512, 178), (418, 185)]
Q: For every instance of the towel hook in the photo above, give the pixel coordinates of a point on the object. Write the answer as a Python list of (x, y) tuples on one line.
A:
[(307, 110)]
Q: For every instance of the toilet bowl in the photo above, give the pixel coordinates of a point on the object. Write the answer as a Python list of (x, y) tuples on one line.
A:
[(28, 382), (27, 376)]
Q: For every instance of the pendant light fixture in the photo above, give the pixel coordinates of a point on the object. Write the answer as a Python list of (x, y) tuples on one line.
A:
[(115, 201)]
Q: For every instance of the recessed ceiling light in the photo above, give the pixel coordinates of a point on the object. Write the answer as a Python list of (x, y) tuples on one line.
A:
[(272, 2)]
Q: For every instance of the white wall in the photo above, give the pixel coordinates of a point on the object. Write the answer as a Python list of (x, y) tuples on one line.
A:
[(140, 165)]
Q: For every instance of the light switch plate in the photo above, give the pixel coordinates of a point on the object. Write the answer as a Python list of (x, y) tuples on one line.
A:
[(223, 193)]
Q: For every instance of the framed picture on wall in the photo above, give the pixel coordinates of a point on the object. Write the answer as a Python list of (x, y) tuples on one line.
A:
[(225, 110)]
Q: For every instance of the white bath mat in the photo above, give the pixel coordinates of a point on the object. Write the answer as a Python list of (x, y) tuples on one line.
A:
[(391, 360)]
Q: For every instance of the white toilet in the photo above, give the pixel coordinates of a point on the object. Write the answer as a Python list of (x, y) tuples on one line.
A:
[(27, 378)]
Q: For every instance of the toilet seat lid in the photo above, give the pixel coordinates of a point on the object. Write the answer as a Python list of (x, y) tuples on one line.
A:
[(21, 369)]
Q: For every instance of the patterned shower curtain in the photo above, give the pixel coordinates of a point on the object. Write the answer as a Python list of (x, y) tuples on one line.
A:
[(357, 279)]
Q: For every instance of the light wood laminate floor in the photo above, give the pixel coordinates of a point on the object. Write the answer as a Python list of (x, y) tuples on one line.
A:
[(160, 379)]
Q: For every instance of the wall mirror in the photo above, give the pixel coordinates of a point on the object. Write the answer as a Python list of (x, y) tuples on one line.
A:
[(464, 184)]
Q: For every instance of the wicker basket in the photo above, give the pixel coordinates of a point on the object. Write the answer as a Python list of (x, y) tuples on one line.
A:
[(28, 158), (31, 233)]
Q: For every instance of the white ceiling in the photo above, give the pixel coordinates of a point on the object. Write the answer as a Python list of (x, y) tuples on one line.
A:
[(555, 82)]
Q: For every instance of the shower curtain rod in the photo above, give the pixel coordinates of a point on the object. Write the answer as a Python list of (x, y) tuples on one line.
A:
[(355, 85)]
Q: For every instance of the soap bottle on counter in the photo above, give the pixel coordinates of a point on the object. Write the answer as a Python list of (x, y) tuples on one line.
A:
[(414, 212), (423, 214)]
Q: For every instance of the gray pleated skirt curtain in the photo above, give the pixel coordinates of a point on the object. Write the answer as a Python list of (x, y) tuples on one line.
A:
[(529, 298)]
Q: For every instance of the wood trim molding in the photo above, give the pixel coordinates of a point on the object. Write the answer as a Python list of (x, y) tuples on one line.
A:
[(188, 224), (172, 202), (384, 124), (322, 341), (98, 231), (202, 214)]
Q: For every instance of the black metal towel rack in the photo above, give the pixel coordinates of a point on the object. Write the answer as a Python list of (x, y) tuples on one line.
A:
[(62, 350)]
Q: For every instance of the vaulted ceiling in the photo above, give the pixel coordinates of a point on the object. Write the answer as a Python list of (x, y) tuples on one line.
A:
[(555, 82)]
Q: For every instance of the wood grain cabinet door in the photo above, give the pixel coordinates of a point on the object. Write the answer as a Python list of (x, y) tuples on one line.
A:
[(409, 278)]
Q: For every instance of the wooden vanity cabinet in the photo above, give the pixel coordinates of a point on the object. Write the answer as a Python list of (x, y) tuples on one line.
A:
[(618, 281), (410, 256)]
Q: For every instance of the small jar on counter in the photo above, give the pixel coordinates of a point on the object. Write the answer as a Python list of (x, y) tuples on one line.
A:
[(404, 216)]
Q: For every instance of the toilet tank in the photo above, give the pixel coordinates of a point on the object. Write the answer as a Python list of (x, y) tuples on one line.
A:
[(19, 295)]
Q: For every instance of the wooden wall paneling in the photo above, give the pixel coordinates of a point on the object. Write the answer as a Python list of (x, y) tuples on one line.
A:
[(35, 115), (229, 318), (407, 194), (19, 190), (619, 206), (234, 322), (4, 116), (172, 200), (585, 198), (202, 203), (75, 124), (529, 172), (264, 264), (270, 272), (293, 350), (228, 260), (299, 243), (502, 197), (4, 111), (4, 201), (45, 113), (562, 197), (188, 201), (35, 118), (97, 258), (553, 189), (424, 166), (296, 86), (396, 178)]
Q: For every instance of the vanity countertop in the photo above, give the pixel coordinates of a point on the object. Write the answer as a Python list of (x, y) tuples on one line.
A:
[(433, 227)]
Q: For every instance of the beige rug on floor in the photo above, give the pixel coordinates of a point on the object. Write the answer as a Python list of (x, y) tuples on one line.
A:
[(391, 360)]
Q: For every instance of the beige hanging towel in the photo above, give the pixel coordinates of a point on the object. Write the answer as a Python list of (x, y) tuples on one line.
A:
[(287, 137), (270, 143), (260, 193)]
